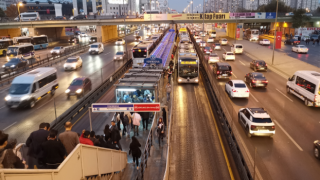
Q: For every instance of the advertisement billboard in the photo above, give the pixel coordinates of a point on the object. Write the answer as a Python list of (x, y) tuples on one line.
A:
[(246, 15), (176, 16), (155, 17), (260, 15), (209, 16), (270, 15)]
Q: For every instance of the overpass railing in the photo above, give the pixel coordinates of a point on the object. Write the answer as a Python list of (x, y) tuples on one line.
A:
[(84, 162)]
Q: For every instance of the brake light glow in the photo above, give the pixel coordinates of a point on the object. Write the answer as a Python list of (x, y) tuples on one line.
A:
[(273, 127), (257, 64), (247, 91), (145, 50), (233, 90), (218, 72), (265, 81), (132, 50), (266, 64), (230, 72), (253, 81), (253, 127)]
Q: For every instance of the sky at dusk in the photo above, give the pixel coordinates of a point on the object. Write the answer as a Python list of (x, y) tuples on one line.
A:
[(179, 5)]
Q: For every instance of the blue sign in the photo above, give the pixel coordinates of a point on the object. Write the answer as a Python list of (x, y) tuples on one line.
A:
[(153, 60), (111, 107), (270, 15)]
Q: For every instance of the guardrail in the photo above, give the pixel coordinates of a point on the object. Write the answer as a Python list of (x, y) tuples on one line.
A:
[(212, 91)]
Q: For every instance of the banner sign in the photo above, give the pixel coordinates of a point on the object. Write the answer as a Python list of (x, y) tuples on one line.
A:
[(153, 60), (125, 107), (208, 16), (155, 17), (270, 15), (242, 15), (278, 40), (176, 16), (260, 15), (238, 33)]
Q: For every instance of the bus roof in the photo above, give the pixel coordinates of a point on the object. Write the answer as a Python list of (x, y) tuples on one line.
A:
[(22, 45), (5, 40), (34, 75)]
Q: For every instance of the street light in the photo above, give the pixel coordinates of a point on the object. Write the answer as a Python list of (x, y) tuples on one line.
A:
[(191, 11), (20, 4)]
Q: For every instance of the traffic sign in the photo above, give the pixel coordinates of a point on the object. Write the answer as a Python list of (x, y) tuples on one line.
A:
[(125, 107)]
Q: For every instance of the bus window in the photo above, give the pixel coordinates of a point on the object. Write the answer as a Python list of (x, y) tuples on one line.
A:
[(139, 53)]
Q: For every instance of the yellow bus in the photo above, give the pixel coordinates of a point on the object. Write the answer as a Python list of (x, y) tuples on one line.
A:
[(182, 30), (4, 44)]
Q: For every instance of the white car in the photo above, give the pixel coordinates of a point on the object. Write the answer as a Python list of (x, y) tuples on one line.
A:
[(300, 49), (210, 39), (198, 40), (203, 34), (228, 56), (257, 122), (237, 88), (96, 48), (120, 42), (264, 42), (203, 44), (57, 50), (196, 36), (73, 63), (223, 41), (213, 58), (120, 55), (83, 34), (237, 48), (217, 46), (213, 35)]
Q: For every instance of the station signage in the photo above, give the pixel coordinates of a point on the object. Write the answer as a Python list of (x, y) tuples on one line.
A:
[(125, 107), (153, 60), (270, 15)]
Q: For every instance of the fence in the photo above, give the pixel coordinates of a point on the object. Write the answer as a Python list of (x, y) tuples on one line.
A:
[(228, 116), (83, 162)]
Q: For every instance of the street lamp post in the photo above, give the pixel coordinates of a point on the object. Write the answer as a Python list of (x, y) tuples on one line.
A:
[(20, 4), (191, 10), (275, 31), (125, 30)]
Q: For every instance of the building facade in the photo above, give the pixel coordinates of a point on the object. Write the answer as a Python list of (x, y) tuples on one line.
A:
[(3, 5)]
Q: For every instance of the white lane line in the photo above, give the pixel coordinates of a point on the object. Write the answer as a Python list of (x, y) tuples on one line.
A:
[(44, 104), (294, 142), (2, 107), (254, 97), (234, 75), (10, 126), (284, 95), (242, 63), (107, 53)]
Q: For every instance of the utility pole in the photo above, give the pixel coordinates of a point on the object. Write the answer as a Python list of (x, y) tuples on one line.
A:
[(275, 32), (125, 30)]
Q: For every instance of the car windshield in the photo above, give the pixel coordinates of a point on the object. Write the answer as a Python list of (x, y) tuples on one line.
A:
[(119, 39), (119, 53), (261, 120), (258, 75), (19, 88), (223, 68), (265, 40), (240, 85), (302, 46), (56, 48), (238, 46), (261, 63), (71, 60), (14, 60), (13, 51), (213, 55), (207, 48), (94, 46), (224, 40), (76, 82), (229, 53), (217, 44)]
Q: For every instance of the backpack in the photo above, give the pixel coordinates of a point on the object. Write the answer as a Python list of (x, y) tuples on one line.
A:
[(125, 120), (121, 116), (2, 158)]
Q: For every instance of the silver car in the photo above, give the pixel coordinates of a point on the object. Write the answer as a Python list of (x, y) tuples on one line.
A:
[(120, 55), (213, 58)]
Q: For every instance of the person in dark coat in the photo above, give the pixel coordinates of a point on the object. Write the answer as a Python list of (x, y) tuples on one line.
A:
[(10, 160), (53, 151), (34, 142), (160, 130), (107, 132), (107, 144), (115, 135), (123, 123), (135, 150), (164, 116), (145, 119)]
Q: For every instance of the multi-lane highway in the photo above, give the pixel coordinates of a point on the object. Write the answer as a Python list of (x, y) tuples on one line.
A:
[(289, 155), (19, 123)]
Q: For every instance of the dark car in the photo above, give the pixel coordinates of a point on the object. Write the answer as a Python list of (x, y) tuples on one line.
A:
[(292, 42), (222, 70), (14, 64), (259, 65), (316, 149), (137, 38), (78, 87), (207, 50), (60, 18), (80, 17), (256, 79)]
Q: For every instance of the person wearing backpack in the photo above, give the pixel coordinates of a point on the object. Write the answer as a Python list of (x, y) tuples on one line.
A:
[(128, 120), (135, 150)]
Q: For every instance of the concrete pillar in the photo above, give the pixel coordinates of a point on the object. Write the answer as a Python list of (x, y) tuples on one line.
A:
[(84, 5), (240, 25), (32, 32), (94, 6), (105, 33), (99, 33), (75, 7), (231, 30)]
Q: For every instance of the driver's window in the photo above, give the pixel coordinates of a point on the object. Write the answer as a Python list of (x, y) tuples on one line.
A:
[(34, 87)]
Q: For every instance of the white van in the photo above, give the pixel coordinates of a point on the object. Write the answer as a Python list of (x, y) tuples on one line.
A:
[(28, 88), (96, 48), (306, 86), (22, 51), (28, 16), (237, 48)]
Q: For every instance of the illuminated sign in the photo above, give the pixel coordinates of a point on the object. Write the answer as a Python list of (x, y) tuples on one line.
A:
[(188, 62), (118, 1), (208, 16)]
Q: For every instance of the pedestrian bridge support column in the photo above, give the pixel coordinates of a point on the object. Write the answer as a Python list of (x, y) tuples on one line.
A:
[(105, 33), (14, 32), (53, 33), (231, 30)]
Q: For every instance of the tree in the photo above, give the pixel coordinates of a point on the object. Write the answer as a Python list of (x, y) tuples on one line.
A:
[(12, 10), (299, 19), (272, 6), (2, 14)]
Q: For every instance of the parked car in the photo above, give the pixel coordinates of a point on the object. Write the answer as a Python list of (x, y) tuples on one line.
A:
[(291, 42), (300, 49), (258, 65), (14, 64), (256, 79), (78, 87)]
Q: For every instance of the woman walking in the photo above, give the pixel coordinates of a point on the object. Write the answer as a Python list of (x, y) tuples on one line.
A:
[(135, 150), (160, 130)]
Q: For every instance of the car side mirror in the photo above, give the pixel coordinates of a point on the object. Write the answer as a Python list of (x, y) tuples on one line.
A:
[(289, 79)]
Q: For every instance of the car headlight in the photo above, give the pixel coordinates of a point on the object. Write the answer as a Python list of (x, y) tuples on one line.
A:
[(120, 57), (58, 51), (12, 66), (73, 65), (79, 91), (316, 141), (7, 98), (51, 51), (3, 66), (115, 57), (24, 97), (67, 91)]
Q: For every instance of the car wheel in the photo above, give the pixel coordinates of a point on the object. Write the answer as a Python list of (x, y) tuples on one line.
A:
[(32, 103), (316, 153), (53, 91), (306, 102), (230, 95), (288, 90), (248, 132)]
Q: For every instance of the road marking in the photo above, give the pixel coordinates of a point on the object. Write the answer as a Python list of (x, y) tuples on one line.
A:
[(242, 63), (234, 75), (284, 95), (288, 135), (2, 107), (10, 126), (44, 104), (254, 97)]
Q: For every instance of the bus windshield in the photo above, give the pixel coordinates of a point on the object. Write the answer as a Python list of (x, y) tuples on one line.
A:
[(40, 40), (12, 51), (4, 44), (188, 70), (139, 53), (24, 40), (19, 88)]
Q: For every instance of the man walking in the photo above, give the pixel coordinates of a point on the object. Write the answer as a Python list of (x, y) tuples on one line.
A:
[(115, 135), (136, 123), (68, 138), (145, 119), (168, 89)]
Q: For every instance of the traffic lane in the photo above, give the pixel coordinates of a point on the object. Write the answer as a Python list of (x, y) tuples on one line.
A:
[(288, 123)]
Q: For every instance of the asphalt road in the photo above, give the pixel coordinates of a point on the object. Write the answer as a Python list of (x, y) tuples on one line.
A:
[(289, 155), (19, 123)]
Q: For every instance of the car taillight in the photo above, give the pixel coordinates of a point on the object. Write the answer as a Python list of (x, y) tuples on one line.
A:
[(145, 50), (205, 50), (218, 72), (132, 50), (257, 64), (273, 127), (265, 81), (266, 64), (253, 81), (253, 127), (247, 91), (233, 90), (230, 72)]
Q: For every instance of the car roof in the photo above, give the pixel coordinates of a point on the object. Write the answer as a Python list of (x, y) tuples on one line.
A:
[(79, 78), (260, 60), (222, 64), (238, 81), (258, 112), (256, 73)]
